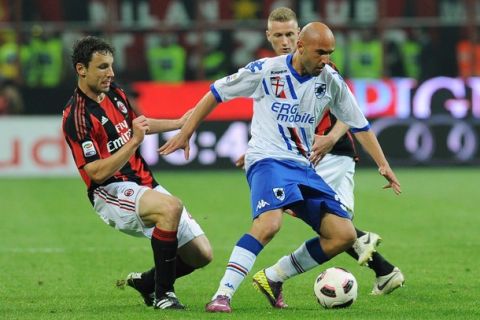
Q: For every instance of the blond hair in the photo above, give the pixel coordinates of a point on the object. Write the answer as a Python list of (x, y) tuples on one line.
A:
[(282, 14)]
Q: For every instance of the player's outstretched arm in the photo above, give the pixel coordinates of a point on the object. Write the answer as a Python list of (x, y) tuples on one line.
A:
[(164, 125), (181, 139), (369, 142)]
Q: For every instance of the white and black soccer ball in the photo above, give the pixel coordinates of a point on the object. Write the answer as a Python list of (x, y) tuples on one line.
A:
[(335, 288)]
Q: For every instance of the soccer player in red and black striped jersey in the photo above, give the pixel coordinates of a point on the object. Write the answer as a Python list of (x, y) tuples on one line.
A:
[(104, 135)]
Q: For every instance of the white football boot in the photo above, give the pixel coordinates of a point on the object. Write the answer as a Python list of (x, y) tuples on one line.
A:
[(389, 282), (365, 246)]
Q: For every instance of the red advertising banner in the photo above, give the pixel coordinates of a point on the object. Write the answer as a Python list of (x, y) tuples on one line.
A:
[(166, 100)]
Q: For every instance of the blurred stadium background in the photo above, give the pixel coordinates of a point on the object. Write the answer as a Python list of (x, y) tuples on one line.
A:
[(414, 67)]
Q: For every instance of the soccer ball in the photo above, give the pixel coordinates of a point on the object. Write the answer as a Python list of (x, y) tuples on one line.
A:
[(335, 288)]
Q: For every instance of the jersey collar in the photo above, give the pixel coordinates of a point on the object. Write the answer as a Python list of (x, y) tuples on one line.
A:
[(299, 78)]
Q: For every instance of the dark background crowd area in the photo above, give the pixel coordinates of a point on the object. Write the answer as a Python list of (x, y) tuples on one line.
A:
[(191, 40)]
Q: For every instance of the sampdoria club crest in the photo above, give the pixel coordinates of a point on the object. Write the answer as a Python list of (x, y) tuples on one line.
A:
[(320, 89), (279, 193)]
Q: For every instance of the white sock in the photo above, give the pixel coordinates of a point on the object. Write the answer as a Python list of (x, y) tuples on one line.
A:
[(298, 262), (239, 265)]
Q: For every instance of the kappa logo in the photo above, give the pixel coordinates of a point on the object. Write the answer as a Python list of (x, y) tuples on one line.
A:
[(104, 120), (279, 193), (254, 65), (262, 204), (320, 89)]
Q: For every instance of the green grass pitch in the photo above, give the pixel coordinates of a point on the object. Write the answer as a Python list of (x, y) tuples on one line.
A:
[(58, 260)]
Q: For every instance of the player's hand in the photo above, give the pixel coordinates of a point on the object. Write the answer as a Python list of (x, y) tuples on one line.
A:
[(240, 163), (393, 183), (178, 141), (185, 117), (139, 129), (321, 146)]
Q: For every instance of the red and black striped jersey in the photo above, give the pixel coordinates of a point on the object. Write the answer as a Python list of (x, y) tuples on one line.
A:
[(345, 146), (95, 131)]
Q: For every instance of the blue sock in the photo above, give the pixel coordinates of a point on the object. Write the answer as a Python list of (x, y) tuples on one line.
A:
[(316, 251)]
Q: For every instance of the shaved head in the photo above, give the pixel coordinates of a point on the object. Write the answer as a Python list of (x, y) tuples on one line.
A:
[(316, 31), (315, 45)]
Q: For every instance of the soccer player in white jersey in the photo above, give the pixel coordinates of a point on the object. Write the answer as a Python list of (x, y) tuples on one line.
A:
[(337, 168), (290, 95)]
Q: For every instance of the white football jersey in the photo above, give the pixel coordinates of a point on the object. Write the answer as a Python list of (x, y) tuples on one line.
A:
[(288, 107)]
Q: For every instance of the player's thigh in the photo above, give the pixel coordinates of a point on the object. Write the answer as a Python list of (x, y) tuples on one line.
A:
[(117, 205), (188, 230), (157, 207), (332, 169)]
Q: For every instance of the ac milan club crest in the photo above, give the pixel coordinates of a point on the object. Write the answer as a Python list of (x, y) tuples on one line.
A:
[(121, 106), (278, 86), (128, 192)]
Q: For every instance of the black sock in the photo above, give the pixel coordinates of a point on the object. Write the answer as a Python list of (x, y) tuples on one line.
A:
[(352, 253), (164, 245), (380, 265), (148, 277), (182, 269), (360, 233), (148, 280)]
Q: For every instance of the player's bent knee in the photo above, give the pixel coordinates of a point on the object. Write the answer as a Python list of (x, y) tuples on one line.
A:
[(160, 209), (205, 258), (264, 232), (205, 252), (172, 208), (266, 225), (197, 253), (348, 238)]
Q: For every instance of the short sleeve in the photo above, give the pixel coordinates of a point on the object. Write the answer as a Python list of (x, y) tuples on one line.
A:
[(243, 83), (345, 106)]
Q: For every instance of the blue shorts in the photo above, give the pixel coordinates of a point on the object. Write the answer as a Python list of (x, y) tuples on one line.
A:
[(287, 184)]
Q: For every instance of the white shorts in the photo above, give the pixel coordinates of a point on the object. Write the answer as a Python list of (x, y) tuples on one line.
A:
[(117, 205), (338, 171)]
